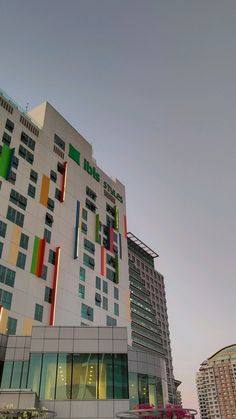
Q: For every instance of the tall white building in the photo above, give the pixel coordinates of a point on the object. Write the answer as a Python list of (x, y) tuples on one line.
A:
[(216, 385)]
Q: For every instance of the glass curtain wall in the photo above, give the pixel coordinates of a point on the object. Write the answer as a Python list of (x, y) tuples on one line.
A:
[(145, 389)]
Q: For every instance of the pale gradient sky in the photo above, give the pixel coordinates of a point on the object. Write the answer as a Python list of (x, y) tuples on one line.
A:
[(152, 84)]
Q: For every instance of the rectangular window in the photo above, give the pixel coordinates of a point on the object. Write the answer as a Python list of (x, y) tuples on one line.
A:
[(111, 321), (84, 214), (50, 204), (47, 235), (21, 260), (49, 219), (26, 155), (18, 199), (11, 326), (90, 205), (110, 260), (105, 303), (28, 141), (98, 299), (116, 293), (82, 274), (5, 299), (6, 139), (91, 193), (110, 275), (53, 176), (98, 283), (60, 168), (116, 309), (44, 273), (81, 291), (59, 142), (89, 246), (15, 162), (48, 295), (85, 376), (105, 287), (88, 261), (24, 241), (38, 314), (33, 176), (9, 125), (51, 257), (7, 276), (110, 210), (84, 228), (64, 372), (3, 229), (48, 376), (1, 248), (58, 194), (31, 191), (87, 312)]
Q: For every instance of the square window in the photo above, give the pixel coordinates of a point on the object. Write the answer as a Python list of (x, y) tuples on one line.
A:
[(105, 287), (81, 291), (105, 303), (21, 260), (24, 241), (98, 283), (38, 314), (31, 191), (3, 229), (82, 274)]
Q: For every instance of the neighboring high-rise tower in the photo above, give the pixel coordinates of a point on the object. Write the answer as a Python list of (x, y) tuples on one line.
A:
[(148, 306), (216, 385)]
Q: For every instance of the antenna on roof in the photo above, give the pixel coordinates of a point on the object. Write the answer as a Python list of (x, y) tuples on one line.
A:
[(27, 107)]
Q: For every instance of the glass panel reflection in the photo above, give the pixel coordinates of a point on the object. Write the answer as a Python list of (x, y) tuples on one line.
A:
[(85, 377), (133, 389), (152, 388), (105, 376), (120, 377), (6, 377), (34, 372), (143, 388), (24, 374), (64, 371), (48, 378), (16, 374)]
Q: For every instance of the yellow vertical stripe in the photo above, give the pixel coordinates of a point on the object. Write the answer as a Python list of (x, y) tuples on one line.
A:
[(3, 319), (44, 190), (27, 326), (14, 245)]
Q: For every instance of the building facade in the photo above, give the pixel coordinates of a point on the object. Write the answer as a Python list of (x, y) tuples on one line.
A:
[(63, 247), (216, 385), (148, 298)]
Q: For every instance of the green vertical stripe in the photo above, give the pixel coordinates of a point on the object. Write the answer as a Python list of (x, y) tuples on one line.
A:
[(116, 270), (35, 253), (5, 160), (97, 228), (116, 218)]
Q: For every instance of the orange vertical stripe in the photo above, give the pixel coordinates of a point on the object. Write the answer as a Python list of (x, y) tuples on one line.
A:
[(44, 190)]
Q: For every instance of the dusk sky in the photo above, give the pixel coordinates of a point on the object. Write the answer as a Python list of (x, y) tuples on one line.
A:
[(152, 85)]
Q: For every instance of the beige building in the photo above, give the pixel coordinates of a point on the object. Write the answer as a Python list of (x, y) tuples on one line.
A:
[(216, 385)]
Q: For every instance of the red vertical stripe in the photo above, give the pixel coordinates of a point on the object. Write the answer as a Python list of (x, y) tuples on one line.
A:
[(125, 225), (111, 239), (102, 260), (54, 288), (41, 257), (63, 187)]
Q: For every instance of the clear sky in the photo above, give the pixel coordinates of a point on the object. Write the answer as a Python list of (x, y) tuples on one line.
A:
[(151, 84)]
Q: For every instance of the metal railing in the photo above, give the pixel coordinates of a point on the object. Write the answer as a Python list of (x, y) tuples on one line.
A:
[(159, 413)]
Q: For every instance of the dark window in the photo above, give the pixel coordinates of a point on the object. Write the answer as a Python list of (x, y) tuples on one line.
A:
[(91, 193), (18, 199), (87, 312), (31, 191), (88, 261), (110, 260), (98, 299), (98, 282), (110, 210), (111, 321), (15, 216), (12, 178), (60, 168), (52, 257), (59, 142), (38, 314), (49, 219), (1, 248), (48, 295), (7, 276), (3, 229), (9, 125), (33, 176), (6, 139), (25, 154), (28, 141), (11, 326), (111, 275), (15, 162), (58, 194), (24, 240), (53, 176), (81, 291), (47, 235), (116, 293), (84, 228), (50, 204), (84, 214), (90, 205), (5, 299), (82, 274), (89, 246), (105, 287), (21, 260), (44, 273), (105, 303)]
